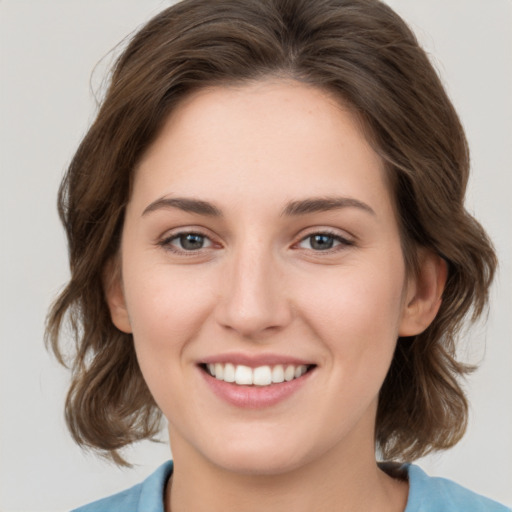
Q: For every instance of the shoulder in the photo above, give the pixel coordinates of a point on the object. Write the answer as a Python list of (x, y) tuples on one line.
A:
[(148, 496), (432, 494)]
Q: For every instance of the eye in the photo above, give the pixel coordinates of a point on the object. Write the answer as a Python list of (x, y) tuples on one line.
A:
[(322, 241), (187, 242)]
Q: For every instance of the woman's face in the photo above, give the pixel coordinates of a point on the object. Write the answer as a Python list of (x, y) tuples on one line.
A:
[(261, 242)]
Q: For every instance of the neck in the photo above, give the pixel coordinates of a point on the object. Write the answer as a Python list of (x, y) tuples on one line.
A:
[(342, 480)]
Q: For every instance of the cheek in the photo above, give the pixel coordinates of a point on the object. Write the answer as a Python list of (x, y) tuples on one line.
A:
[(167, 311), (357, 322), (357, 313), (166, 308)]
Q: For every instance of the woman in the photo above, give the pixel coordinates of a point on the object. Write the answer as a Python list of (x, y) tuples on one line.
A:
[(268, 245)]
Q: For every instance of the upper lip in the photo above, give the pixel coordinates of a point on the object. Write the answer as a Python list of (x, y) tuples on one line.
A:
[(255, 360)]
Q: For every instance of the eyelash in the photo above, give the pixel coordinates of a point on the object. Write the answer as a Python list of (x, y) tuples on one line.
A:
[(166, 243), (342, 241)]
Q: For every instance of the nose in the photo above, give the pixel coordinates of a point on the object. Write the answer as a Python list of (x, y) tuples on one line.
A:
[(254, 300)]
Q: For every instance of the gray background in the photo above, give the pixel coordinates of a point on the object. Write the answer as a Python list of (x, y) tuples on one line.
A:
[(48, 51)]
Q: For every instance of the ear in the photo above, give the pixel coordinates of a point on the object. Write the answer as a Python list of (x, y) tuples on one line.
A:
[(423, 296), (114, 294)]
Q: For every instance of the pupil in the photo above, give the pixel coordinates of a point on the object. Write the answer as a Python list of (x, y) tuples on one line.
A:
[(321, 242), (190, 242)]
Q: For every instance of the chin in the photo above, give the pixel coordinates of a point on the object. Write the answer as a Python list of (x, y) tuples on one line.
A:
[(256, 464), (258, 458)]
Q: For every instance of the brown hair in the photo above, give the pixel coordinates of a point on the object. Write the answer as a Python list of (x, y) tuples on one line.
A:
[(363, 52)]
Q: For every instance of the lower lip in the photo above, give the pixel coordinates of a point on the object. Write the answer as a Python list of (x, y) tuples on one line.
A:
[(254, 397)]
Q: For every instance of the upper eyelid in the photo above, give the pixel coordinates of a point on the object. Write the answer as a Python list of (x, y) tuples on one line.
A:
[(334, 232), (340, 239), (326, 233), (193, 230)]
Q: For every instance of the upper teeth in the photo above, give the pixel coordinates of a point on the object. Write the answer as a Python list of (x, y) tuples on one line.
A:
[(259, 376)]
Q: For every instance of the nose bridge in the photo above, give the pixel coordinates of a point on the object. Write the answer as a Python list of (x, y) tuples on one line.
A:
[(254, 299)]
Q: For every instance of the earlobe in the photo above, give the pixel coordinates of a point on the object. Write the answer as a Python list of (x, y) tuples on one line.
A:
[(114, 294), (423, 298)]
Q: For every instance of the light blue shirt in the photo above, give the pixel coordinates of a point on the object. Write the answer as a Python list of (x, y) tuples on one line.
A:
[(426, 494)]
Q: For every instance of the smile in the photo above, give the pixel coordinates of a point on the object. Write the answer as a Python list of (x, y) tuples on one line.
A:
[(259, 376)]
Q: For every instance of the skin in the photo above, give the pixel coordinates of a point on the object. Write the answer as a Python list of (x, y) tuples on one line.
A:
[(258, 285)]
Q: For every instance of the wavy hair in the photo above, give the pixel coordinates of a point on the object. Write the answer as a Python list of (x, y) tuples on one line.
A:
[(364, 53)]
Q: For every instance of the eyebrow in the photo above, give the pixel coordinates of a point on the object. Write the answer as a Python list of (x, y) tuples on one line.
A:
[(293, 208), (322, 204), (185, 204)]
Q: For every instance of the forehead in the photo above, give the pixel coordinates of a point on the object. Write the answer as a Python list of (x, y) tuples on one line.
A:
[(237, 139)]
